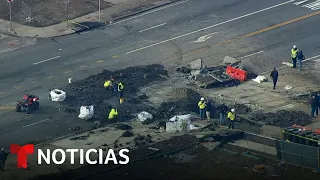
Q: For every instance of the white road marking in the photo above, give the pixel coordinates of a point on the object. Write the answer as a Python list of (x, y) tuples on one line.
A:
[(35, 123), (149, 12), (153, 27), (309, 59), (199, 30), (46, 60), (313, 6), (251, 55), (204, 38), (301, 2)]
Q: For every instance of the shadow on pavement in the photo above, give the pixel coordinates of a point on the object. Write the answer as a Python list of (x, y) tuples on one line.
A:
[(85, 26)]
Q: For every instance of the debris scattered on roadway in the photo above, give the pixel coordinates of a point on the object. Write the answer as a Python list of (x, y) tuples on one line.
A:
[(141, 140), (127, 134), (83, 137), (75, 129), (144, 116), (287, 87), (260, 79), (283, 118), (96, 124), (122, 126)]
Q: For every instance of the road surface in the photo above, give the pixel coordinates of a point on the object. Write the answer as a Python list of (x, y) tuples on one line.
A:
[(261, 33)]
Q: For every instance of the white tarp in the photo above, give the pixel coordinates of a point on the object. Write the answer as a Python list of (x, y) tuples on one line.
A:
[(260, 79), (57, 95), (86, 112), (186, 117), (144, 116)]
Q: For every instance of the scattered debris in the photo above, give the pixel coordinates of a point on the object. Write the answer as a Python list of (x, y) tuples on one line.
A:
[(141, 140), (127, 134), (287, 87), (143, 116), (283, 118), (86, 112), (83, 137), (151, 148), (122, 126), (75, 129), (96, 124), (260, 79), (57, 95)]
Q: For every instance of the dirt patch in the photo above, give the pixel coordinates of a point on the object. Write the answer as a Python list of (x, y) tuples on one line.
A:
[(283, 118), (48, 12), (90, 91), (182, 158)]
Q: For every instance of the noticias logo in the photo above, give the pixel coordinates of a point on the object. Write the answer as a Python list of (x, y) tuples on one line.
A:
[(84, 156)]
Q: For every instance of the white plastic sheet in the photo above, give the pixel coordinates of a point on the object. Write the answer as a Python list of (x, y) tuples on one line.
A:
[(260, 79), (144, 116), (58, 95), (186, 117), (86, 112)]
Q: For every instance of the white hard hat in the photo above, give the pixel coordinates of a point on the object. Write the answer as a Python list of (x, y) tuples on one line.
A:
[(202, 99), (232, 110), (294, 46)]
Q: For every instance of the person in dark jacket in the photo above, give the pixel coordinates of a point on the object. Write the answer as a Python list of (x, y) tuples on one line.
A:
[(208, 110), (300, 57), (223, 113), (3, 158), (314, 105), (318, 101), (274, 75)]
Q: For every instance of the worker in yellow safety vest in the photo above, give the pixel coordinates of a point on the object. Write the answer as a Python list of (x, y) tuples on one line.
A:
[(202, 107), (120, 89), (294, 54), (113, 113), (231, 117), (107, 84)]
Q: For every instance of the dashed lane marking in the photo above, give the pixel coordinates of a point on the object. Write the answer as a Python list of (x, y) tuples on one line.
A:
[(250, 55), (6, 107), (36, 123), (99, 61), (46, 60), (115, 56), (50, 77), (66, 72), (18, 87)]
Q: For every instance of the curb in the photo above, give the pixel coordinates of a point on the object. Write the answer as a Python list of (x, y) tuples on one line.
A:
[(120, 18)]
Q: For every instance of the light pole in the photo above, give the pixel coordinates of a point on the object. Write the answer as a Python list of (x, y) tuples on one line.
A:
[(10, 1), (67, 3), (99, 8)]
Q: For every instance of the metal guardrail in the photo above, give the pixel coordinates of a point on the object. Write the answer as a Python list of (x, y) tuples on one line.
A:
[(304, 155)]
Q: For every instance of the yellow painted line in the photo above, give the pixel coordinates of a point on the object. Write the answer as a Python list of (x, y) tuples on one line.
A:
[(83, 67), (6, 107), (250, 34), (66, 72), (18, 87), (100, 61), (115, 56)]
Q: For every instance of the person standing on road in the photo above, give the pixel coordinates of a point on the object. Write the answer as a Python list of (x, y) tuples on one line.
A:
[(300, 57), (318, 102), (231, 117), (3, 158), (208, 110), (120, 89), (314, 105), (223, 113), (274, 75), (113, 114), (294, 54), (202, 106)]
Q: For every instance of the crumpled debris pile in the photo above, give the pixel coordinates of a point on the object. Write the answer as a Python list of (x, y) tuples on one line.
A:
[(283, 118), (90, 91)]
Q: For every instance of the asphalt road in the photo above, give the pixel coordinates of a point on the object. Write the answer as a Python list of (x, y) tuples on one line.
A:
[(261, 33)]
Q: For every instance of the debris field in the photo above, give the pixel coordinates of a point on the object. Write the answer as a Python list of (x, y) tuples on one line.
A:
[(90, 91)]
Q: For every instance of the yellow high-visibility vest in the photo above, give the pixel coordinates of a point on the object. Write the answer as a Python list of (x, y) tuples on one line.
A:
[(107, 84), (231, 116), (120, 87), (113, 113), (294, 53), (202, 104)]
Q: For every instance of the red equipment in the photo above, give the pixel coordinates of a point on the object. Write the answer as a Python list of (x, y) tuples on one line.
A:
[(28, 103)]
